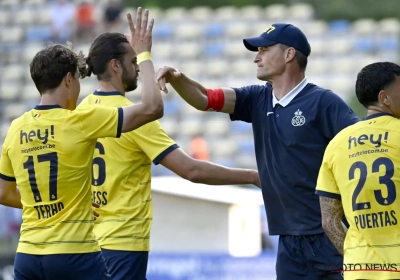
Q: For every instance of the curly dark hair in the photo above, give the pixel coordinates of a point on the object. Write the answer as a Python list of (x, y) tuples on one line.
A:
[(50, 65)]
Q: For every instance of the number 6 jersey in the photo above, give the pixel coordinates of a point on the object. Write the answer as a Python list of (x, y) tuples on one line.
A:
[(121, 180), (361, 167), (48, 152)]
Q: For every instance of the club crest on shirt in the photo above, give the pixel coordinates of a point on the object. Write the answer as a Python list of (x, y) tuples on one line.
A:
[(298, 119)]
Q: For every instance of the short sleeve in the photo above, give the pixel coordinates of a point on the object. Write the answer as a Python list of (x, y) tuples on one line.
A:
[(153, 141), (100, 121), (326, 183), (6, 169), (245, 99), (336, 114)]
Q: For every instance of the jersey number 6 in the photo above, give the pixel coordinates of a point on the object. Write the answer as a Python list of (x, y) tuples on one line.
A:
[(101, 164)]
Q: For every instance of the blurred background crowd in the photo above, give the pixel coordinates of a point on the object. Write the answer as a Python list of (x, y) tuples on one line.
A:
[(204, 40)]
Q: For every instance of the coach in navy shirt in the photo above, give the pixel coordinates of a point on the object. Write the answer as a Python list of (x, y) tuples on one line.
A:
[(293, 121)]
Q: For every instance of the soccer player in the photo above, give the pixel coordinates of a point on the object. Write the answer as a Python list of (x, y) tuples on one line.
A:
[(358, 178), (122, 167), (293, 121), (48, 154)]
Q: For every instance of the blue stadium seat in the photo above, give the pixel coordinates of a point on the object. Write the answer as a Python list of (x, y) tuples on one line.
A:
[(38, 34), (388, 44), (241, 127), (213, 49), (163, 31), (171, 107), (339, 26), (364, 44), (214, 30), (246, 147), (163, 171)]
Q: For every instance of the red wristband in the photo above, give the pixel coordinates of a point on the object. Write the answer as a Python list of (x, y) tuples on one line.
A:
[(216, 99)]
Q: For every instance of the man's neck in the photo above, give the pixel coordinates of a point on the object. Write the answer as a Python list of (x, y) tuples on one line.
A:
[(376, 109), (56, 98), (110, 86), (284, 84)]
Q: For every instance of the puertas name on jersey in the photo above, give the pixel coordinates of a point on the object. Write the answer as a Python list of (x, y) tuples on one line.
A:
[(378, 176)]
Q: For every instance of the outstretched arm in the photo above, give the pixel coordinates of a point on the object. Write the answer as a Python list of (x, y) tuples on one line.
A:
[(152, 107), (332, 214), (194, 93), (199, 171)]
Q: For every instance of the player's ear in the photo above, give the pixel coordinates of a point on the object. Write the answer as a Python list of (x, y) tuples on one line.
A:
[(115, 65), (68, 79), (383, 98), (290, 53)]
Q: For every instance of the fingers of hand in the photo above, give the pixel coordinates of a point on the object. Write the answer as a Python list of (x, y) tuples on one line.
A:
[(96, 214), (144, 22), (177, 73), (150, 26), (162, 85), (130, 23), (139, 19), (95, 205)]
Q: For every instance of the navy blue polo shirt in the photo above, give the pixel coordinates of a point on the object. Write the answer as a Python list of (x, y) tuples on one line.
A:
[(289, 144)]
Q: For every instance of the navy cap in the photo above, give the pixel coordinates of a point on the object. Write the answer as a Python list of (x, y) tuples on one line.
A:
[(280, 33)]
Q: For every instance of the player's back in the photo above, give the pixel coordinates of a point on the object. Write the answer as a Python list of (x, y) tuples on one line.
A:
[(122, 179), (50, 151), (364, 161)]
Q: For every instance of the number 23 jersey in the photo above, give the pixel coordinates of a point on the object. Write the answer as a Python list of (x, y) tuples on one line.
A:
[(361, 167), (48, 152)]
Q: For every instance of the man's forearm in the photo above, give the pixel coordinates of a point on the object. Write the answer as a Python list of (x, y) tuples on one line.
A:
[(151, 95), (191, 91), (336, 232), (213, 174), (332, 214)]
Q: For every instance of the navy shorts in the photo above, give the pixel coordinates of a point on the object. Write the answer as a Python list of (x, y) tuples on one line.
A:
[(60, 267), (126, 265), (308, 257)]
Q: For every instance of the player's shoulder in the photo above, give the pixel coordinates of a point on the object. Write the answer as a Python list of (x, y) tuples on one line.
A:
[(345, 133), (323, 94), (17, 124), (25, 119)]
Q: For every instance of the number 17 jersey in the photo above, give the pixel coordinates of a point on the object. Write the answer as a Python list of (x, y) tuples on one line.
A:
[(361, 167), (48, 152)]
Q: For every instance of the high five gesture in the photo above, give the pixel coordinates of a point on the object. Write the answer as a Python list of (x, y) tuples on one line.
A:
[(140, 40), (141, 35)]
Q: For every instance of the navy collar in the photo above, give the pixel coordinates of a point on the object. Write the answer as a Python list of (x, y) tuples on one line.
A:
[(107, 93), (376, 116), (47, 107)]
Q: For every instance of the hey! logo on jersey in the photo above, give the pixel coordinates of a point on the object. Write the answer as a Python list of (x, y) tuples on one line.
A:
[(374, 139), (30, 136)]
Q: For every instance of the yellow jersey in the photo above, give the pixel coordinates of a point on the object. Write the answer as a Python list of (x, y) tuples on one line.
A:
[(122, 179), (361, 167), (48, 152)]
